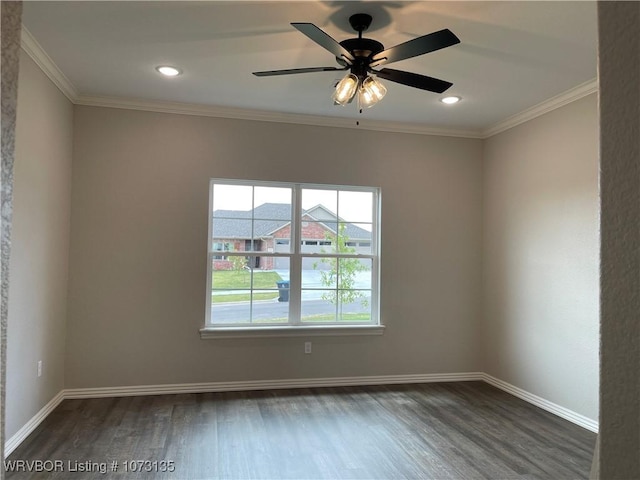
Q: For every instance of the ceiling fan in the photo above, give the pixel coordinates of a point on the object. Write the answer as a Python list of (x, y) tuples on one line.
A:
[(360, 56)]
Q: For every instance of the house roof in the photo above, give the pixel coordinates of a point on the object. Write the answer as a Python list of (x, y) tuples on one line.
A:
[(271, 217)]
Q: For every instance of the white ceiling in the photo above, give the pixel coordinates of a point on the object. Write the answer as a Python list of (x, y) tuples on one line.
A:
[(512, 55)]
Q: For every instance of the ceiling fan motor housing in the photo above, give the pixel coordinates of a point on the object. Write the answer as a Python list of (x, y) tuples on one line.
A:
[(362, 49)]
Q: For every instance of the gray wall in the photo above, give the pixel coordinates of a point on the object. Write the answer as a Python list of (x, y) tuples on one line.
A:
[(40, 251), (139, 237), (540, 277)]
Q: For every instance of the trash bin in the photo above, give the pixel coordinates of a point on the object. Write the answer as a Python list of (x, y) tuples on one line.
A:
[(283, 289)]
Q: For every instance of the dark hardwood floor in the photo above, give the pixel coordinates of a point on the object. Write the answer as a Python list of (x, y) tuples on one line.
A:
[(463, 430)]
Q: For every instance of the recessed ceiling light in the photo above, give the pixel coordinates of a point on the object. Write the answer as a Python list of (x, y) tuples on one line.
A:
[(450, 100), (168, 71)]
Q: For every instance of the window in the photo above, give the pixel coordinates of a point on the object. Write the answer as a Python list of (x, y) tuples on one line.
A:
[(308, 256)]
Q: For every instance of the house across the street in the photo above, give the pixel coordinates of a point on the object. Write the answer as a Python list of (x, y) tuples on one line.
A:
[(267, 228)]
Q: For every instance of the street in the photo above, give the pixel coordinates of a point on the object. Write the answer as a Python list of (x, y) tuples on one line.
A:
[(264, 311)]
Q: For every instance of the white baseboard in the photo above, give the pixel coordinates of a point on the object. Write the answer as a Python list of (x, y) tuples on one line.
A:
[(268, 385), (75, 393), (554, 408), (12, 443)]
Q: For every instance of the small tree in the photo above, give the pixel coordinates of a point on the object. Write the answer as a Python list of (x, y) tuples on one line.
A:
[(238, 263), (341, 271)]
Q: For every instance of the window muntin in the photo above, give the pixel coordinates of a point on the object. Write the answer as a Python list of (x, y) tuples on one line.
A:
[(294, 259)]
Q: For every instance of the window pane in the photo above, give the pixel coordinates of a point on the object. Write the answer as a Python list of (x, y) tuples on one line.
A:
[(318, 306), (227, 229), (230, 274), (323, 305), (232, 197), (271, 290), (355, 206), (269, 311), (249, 290), (351, 300), (356, 237), (354, 273), (358, 310), (226, 310), (321, 204), (272, 203), (230, 293), (319, 273), (317, 237)]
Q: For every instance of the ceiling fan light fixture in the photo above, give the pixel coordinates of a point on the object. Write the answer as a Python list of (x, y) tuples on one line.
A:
[(168, 71), (345, 89), (450, 100), (371, 92), (360, 55)]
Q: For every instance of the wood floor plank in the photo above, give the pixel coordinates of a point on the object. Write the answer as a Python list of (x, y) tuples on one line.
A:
[(462, 430)]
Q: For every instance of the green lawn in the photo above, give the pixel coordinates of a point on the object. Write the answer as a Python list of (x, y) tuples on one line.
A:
[(241, 280), (346, 317), (243, 297)]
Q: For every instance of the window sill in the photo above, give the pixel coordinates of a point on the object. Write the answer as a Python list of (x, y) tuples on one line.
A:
[(289, 331)]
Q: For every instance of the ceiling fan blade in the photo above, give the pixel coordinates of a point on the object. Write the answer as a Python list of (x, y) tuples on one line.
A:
[(271, 73), (418, 46), (324, 40), (413, 80)]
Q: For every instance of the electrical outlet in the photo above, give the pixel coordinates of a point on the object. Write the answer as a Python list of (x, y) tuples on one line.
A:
[(39, 368), (307, 347)]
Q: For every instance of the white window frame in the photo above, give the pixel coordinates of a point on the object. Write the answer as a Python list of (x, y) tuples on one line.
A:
[(295, 327)]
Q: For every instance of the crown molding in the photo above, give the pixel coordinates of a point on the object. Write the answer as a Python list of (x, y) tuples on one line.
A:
[(558, 101), (266, 116), (31, 46)]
